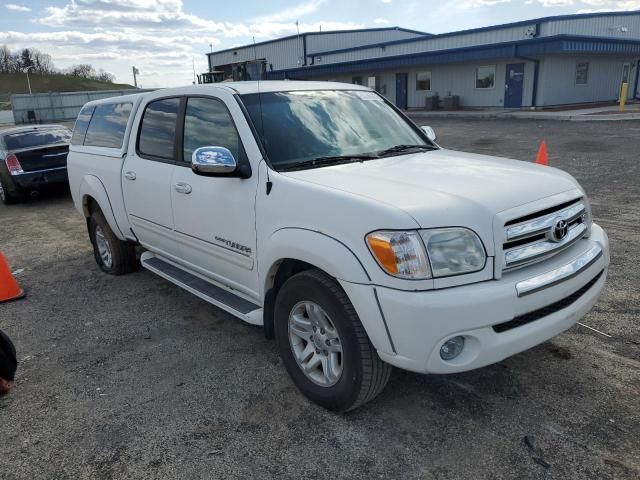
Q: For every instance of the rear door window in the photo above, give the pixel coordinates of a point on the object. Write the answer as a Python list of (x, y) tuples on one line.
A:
[(157, 137), (37, 138), (108, 125), (80, 128)]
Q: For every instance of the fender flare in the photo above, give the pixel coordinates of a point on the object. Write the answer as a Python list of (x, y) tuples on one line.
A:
[(91, 186), (319, 249), (336, 259)]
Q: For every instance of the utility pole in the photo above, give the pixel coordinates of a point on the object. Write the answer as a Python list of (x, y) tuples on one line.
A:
[(26, 70), (135, 72)]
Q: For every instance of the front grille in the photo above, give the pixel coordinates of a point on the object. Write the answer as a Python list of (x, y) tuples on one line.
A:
[(529, 239), (545, 311)]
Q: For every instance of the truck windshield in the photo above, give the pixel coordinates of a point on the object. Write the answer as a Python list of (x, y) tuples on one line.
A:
[(296, 128), (37, 138)]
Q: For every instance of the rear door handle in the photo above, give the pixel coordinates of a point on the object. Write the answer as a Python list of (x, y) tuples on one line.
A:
[(183, 188), (130, 175)]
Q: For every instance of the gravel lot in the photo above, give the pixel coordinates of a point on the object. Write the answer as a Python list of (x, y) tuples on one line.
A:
[(131, 377)]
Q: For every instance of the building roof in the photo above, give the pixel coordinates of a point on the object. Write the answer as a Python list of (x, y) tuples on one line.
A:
[(328, 32), (484, 29), (576, 44)]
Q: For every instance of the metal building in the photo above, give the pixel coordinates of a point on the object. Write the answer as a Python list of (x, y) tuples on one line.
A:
[(57, 106), (562, 60)]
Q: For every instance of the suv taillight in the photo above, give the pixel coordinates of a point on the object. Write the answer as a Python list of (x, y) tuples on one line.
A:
[(13, 165)]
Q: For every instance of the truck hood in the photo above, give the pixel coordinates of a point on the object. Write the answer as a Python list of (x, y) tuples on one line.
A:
[(444, 187)]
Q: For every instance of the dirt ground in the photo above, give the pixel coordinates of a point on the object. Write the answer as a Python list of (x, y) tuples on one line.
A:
[(131, 377)]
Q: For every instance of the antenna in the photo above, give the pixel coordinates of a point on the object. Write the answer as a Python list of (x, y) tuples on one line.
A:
[(269, 184), (298, 43), (193, 62)]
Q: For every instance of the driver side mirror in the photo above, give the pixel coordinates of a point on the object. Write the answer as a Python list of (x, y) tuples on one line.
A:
[(213, 161), (430, 132)]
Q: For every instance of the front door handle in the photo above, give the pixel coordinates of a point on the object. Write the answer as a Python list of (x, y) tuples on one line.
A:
[(183, 188), (130, 175)]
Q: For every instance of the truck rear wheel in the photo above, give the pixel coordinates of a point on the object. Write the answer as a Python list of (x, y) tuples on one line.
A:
[(323, 344), (112, 255)]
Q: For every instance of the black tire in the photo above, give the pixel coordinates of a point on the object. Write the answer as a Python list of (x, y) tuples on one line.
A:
[(364, 375), (6, 197), (123, 254)]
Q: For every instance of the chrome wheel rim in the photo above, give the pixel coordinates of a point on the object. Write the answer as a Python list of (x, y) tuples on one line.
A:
[(104, 250), (315, 343)]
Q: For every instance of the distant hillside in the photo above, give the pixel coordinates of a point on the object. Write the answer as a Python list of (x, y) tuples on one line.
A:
[(11, 83)]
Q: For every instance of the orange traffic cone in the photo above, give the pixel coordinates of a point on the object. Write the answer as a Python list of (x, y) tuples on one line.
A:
[(541, 157), (9, 288)]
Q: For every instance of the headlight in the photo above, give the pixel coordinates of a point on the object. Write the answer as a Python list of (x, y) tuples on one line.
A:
[(453, 251), (400, 254), (449, 251)]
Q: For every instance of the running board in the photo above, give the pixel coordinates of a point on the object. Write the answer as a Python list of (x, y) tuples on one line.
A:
[(207, 291)]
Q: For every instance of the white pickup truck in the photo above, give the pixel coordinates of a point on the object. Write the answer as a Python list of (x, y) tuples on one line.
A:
[(319, 211)]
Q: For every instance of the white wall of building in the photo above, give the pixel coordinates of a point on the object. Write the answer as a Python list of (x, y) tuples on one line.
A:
[(557, 79), (454, 79)]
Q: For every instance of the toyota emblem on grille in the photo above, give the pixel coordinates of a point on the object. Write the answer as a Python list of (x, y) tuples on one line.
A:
[(558, 230)]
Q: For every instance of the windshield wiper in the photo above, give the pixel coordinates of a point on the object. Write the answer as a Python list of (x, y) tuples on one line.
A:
[(324, 161), (404, 148)]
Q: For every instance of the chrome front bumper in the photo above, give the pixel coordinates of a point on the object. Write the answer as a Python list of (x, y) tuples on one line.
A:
[(557, 275)]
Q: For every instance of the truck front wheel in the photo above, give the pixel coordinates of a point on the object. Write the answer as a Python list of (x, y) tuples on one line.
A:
[(323, 344), (112, 255)]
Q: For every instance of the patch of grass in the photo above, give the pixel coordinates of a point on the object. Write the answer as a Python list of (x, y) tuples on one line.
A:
[(12, 83)]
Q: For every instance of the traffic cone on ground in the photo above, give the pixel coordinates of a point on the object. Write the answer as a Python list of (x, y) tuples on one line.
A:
[(541, 157), (9, 288)]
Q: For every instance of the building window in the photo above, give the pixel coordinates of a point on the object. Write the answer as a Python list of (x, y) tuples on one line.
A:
[(582, 73), (356, 80), (486, 76), (423, 81)]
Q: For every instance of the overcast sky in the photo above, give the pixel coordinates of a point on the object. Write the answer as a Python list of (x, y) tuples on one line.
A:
[(163, 37)]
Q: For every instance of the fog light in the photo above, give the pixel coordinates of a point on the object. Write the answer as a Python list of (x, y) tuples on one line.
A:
[(452, 348)]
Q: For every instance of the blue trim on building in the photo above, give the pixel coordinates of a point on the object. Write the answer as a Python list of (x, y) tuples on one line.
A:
[(533, 22), (530, 47), (575, 16), (328, 32)]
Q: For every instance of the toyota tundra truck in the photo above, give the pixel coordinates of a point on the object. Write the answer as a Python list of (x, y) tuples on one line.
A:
[(320, 212)]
